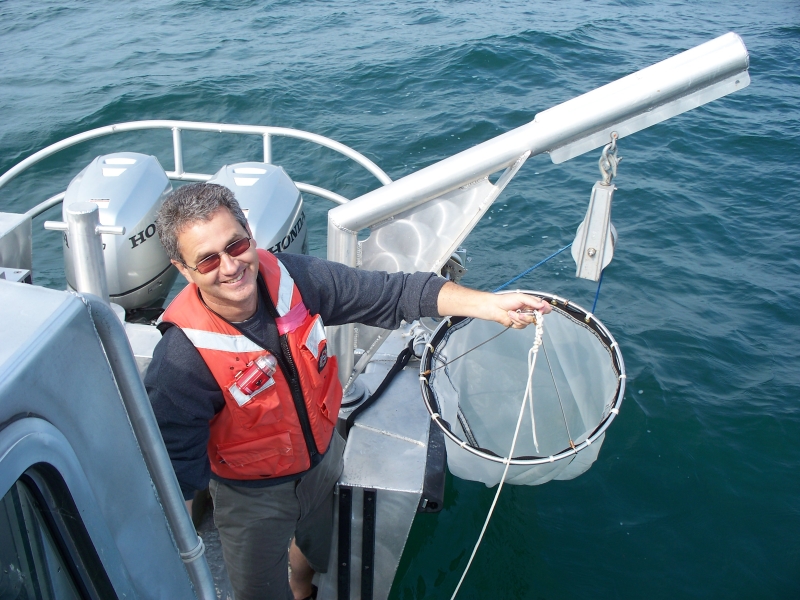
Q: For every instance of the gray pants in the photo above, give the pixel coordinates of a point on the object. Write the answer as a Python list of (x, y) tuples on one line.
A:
[(256, 526)]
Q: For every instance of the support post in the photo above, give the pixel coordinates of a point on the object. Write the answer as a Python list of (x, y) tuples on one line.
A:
[(267, 148), (177, 149), (83, 231)]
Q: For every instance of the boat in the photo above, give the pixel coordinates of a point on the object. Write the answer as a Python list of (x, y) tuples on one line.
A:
[(91, 505)]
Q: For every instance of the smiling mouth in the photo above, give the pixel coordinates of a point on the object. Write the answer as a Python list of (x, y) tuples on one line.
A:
[(237, 278)]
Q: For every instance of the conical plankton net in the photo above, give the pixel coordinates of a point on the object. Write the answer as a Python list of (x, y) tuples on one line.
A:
[(577, 386)]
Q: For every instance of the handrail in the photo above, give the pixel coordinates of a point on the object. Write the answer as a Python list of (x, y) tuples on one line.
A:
[(46, 205), (265, 131), (137, 405), (303, 187)]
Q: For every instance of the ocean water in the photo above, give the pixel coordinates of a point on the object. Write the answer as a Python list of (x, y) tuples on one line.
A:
[(696, 493)]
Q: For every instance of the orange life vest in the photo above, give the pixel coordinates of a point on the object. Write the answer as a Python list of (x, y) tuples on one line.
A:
[(270, 432)]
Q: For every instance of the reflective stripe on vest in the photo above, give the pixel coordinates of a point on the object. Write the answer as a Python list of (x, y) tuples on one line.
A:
[(209, 340), (285, 291)]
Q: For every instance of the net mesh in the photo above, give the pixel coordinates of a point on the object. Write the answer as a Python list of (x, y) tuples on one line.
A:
[(575, 384)]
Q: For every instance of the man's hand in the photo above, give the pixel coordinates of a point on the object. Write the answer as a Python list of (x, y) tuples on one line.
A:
[(512, 310)]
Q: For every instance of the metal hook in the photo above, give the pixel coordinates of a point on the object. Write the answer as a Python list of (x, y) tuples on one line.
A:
[(609, 160)]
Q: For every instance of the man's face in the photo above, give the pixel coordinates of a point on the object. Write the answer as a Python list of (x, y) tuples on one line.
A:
[(230, 290)]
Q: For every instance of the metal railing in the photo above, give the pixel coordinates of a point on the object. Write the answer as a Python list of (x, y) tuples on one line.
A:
[(179, 174)]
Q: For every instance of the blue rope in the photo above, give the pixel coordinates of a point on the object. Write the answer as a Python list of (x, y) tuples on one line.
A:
[(540, 263), (597, 293)]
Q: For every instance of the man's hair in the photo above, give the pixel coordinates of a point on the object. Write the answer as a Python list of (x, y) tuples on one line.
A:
[(190, 203)]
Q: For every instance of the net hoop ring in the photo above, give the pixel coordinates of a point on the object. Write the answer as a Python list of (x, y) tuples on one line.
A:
[(565, 307)]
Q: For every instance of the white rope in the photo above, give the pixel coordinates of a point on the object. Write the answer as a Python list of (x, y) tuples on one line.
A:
[(531, 364), (529, 387)]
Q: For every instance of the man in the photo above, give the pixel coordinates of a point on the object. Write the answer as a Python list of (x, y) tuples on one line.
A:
[(245, 393)]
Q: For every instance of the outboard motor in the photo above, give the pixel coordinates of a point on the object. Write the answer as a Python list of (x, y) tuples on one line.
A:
[(128, 188), (271, 202)]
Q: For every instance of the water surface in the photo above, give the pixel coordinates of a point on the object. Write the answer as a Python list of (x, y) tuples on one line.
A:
[(696, 492)]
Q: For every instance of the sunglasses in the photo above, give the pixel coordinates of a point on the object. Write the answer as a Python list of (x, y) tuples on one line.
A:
[(211, 262)]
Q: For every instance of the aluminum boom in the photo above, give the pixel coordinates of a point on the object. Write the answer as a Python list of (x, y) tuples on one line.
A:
[(659, 92)]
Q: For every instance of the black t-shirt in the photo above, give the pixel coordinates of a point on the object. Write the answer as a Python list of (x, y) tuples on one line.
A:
[(184, 394)]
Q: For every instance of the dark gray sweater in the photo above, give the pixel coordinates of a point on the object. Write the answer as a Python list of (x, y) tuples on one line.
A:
[(184, 394)]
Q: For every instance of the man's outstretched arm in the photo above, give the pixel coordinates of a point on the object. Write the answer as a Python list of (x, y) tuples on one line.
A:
[(458, 301)]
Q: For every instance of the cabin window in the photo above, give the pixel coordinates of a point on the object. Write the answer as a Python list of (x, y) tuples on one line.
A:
[(45, 551), (31, 565)]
